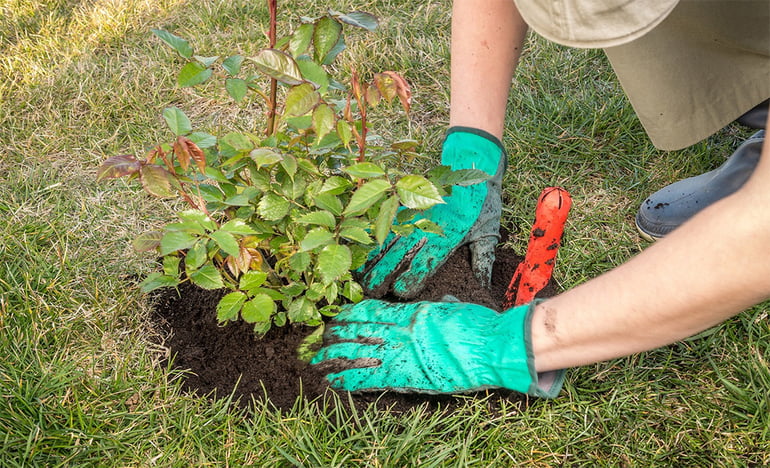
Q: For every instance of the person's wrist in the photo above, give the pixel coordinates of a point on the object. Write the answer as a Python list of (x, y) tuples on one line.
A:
[(520, 350)]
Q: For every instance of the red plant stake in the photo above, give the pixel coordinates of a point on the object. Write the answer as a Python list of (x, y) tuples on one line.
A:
[(534, 272)]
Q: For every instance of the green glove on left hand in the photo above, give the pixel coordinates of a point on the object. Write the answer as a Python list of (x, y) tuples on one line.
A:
[(470, 215), (434, 347)]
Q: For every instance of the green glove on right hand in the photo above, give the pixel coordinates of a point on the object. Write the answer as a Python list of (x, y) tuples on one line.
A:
[(471, 215), (434, 347)]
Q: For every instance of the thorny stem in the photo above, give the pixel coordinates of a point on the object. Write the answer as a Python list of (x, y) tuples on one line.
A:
[(170, 167), (272, 6), (361, 100), (188, 197)]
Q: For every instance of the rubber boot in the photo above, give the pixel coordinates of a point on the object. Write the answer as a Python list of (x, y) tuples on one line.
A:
[(756, 117), (671, 206)]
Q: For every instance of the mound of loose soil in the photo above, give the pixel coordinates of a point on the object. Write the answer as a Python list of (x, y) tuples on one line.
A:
[(220, 361)]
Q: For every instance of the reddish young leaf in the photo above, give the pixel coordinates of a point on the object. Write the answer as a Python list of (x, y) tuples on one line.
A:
[(278, 65), (232, 264), (347, 113), (386, 86), (356, 85), (195, 153), (373, 95), (118, 166), (403, 90), (182, 155), (391, 84)]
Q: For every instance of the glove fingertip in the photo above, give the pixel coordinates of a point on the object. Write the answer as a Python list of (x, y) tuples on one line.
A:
[(483, 259)]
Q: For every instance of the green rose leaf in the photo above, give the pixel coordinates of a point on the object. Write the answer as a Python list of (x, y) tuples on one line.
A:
[(193, 73), (203, 140), (427, 225), (302, 310), (196, 257), (252, 280), (329, 202), (208, 277), (211, 193), (353, 291), (356, 234), (338, 47), (235, 142), (176, 240), (146, 241), (405, 145), (331, 293), (417, 192), (464, 177), (177, 121), (367, 195), (236, 88), (279, 319), (206, 61), (364, 170), (324, 121), (181, 46), (232, 64), (265, 157), (385, 218), (344, 132), (278, 65), (289, 164), (326, 36), (238, 226), (171, 265), (199, 218), (360, 19), (299, 261), (360, 254), (321, 218), (258, 309), (335, 185), (316, 238), (229, 306), (226, 242), (157, 280), (273, 207), (301, 38), (293, 289), (301, 99), (314, 73), (333, 261)]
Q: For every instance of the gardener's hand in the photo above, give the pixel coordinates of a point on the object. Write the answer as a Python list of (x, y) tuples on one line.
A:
[(433, 347), (471, 215)]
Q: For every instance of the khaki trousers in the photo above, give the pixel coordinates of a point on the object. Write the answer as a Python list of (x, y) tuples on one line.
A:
[(705, 65)]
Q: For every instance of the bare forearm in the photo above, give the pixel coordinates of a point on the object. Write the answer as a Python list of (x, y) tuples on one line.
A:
[(487, 37), (708, 270)]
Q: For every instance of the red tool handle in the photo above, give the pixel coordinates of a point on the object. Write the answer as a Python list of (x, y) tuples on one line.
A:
[(534, 272)]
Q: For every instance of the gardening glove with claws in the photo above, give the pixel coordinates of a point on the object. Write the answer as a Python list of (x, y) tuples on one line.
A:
[(433, 347), (471, 215)]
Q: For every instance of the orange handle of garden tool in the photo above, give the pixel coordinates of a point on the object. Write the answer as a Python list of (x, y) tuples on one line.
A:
[(534, 272)]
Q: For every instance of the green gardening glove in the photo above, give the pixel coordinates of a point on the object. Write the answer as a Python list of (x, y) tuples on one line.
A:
[(433, 347), (471, 215)]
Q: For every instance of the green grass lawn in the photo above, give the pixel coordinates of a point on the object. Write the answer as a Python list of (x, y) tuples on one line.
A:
[(80, 383)]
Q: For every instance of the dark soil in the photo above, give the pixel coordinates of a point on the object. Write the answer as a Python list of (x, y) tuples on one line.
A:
[(220, 361)]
